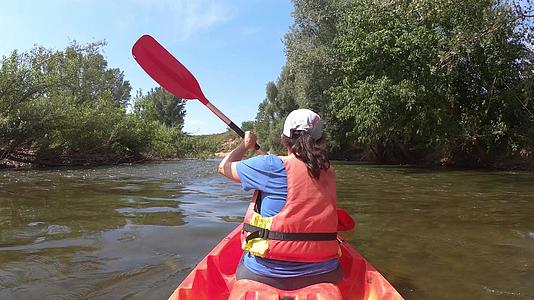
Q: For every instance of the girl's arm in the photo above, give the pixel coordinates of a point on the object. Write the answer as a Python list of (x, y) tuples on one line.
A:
[(227, 167)]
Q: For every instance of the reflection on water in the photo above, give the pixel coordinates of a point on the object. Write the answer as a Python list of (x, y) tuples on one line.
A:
[(136, 231), (444, 234), (111, 233)]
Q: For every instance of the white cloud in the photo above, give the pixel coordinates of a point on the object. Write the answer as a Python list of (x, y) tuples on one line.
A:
[(188, 17)]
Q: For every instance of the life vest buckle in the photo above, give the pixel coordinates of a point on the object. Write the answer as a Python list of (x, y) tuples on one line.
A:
[(257, 233), (263, 233)]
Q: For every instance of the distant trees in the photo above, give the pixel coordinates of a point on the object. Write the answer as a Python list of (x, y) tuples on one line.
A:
[(67, 107), (279, 102), (159, 105), (412, 80), (247, 125)]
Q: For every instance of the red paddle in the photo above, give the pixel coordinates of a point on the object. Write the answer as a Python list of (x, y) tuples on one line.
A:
[(177, 80), (173, 76)]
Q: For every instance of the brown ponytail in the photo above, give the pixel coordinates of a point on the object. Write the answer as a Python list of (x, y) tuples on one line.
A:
[(308, 150)]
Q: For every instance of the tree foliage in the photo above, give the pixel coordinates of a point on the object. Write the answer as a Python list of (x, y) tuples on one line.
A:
[(159, 105), (412, 80), (247, 125), (68, 107), (272, 110)]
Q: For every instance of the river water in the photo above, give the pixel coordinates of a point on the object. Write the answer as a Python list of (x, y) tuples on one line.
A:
[(134, 232)]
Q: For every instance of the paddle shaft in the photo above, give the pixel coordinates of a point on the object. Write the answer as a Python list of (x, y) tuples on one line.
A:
[(227, 121)]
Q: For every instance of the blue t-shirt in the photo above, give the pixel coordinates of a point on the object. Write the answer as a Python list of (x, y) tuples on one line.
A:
[(267, 174)]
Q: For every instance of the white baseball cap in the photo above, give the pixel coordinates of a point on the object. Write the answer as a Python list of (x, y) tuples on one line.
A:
[(303, 120)]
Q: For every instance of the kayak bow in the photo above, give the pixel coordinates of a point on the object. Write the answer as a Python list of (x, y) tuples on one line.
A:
[(214, 278)]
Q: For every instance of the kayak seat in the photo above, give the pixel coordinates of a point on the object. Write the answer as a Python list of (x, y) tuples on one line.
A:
[(245, 289)]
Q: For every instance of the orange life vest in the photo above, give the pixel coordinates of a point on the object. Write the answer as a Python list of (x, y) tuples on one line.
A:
[(305, 229)]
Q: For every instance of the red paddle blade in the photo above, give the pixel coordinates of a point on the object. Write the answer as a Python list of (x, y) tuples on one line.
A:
[(166, 70)]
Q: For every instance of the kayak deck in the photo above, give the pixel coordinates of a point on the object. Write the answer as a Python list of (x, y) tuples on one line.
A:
[(214, 277)]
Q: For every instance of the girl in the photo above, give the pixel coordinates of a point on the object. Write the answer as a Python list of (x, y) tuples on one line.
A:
[(290, 228)]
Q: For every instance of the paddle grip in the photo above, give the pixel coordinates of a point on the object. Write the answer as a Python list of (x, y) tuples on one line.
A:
[(225, 119), (240, 131)]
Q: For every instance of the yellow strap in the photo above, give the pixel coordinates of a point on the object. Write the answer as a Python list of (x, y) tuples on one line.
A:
[(259, 221), (258, 247)]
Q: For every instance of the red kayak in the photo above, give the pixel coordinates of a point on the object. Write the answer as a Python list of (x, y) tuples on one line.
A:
[(214, 278)]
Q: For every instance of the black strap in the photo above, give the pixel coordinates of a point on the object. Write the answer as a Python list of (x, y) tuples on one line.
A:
[(258, 232), (257, 203)]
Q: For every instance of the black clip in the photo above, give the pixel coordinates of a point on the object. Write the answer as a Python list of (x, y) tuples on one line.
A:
[(263, 233)]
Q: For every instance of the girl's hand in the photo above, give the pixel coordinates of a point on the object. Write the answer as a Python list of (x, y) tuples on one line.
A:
[(250, 140)]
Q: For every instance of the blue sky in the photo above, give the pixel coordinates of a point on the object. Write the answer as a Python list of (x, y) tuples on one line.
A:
[(233, 47)]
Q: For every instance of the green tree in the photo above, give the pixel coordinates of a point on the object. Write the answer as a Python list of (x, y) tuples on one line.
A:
[(444, 75), (410, 80), (85, 75), (279, 102), (247, 125), (160, 105), (313, 66), (67, 107)]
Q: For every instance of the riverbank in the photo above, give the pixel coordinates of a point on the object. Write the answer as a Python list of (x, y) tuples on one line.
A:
[(523, 160), (189, 147), (220, 144)]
